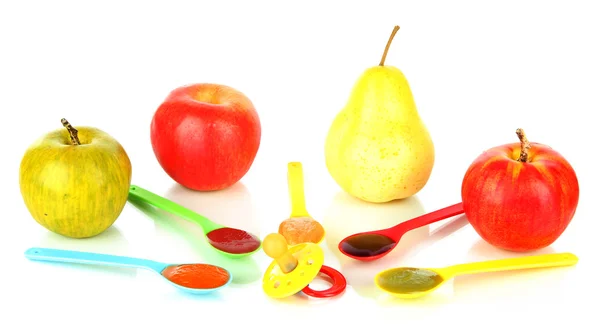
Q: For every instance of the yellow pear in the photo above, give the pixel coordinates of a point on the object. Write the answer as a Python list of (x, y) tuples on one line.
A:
[(378, 148)]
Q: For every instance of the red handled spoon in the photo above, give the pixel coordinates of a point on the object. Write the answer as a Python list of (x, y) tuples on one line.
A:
[(369, 246)]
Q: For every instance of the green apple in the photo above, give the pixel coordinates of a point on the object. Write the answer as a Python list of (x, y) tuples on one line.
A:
[(75, 182)]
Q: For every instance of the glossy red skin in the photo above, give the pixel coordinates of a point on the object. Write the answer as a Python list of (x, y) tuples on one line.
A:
[(206, 136), (520, 206)]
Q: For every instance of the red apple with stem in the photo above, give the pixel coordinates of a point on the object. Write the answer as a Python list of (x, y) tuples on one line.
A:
[(520, 196), (206, 136)]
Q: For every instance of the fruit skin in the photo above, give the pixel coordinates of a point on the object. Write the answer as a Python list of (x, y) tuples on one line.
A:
[(206, 136), (378, 149), (520, 206), (77, 191)]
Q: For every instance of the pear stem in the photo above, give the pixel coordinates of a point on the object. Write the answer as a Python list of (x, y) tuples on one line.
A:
[(72, 131), (387, 46), (525, 145)]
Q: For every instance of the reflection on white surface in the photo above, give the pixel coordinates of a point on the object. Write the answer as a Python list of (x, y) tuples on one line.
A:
[(111, 241), (347, 215), (222, 207), (231, 207), (442, 295)]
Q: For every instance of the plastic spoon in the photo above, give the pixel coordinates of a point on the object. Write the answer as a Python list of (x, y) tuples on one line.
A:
[(369, 246), (231, 242), (300, 227), (186, 277), (416, 282)]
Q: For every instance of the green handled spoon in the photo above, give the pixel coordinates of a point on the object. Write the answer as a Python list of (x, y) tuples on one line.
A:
[(231, 242)]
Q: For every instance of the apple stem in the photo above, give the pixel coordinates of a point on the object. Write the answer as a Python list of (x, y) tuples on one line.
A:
[(72, 131), (387, 46), (525, 145)]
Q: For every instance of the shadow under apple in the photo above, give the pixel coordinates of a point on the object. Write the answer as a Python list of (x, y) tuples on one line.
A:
[(111, 241), (229, 207), (507, 284)]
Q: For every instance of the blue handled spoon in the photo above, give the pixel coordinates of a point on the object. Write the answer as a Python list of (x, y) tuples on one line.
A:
[(179, 275)]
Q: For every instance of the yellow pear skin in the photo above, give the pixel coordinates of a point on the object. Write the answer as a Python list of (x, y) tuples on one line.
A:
[(378, 149)]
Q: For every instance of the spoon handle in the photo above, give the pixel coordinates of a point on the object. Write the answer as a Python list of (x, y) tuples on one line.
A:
[(528, 262), (296, 189), (169, 206), (67, 256), (427, 219)]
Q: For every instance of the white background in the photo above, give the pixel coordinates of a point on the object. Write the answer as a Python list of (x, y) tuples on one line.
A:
[(477, 70)]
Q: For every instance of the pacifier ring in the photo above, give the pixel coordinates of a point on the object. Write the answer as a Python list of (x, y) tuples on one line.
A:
[(338, 286)]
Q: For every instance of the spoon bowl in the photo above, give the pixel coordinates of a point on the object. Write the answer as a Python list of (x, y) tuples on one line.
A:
[(187, 277), (373, 245), (368, 246), (411, 282), (231, 242)]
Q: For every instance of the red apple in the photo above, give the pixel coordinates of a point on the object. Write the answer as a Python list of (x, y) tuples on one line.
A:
[(520, 196), (206, 136)]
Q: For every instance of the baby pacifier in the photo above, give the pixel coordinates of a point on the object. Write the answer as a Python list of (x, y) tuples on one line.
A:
[(293, 269)]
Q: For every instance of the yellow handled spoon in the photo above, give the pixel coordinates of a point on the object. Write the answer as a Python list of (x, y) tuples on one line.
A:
[(300, 227), (407, 282)]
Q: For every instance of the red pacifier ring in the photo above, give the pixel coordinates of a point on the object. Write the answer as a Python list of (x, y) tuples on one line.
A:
[(338, 285)]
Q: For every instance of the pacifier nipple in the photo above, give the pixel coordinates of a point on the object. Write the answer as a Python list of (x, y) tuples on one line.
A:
[(276, 247)]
